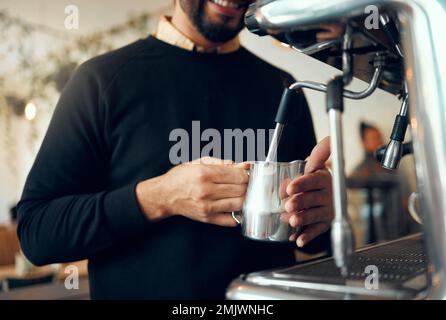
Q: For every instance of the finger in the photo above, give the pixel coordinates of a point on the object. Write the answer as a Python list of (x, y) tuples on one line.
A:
[(293, 237), (229, 175), (311, 216), (311, 232), (222, 219), (296, 235), (285, 217), (223, 191), (212, 161), (309, 182), (227, 205), (243, 165), (307, 200), (319, 155), (283, 188)]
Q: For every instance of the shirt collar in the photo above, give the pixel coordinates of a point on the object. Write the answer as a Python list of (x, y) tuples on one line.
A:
[(167, 32)]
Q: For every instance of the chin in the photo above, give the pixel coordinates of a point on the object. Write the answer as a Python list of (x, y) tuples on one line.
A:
[(234, 24), (228, 12)]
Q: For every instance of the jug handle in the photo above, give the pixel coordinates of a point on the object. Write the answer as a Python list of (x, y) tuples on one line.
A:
[(414, 196), (236, 217)]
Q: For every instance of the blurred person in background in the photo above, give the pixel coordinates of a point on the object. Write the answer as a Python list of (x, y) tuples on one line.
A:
[(386, 192)]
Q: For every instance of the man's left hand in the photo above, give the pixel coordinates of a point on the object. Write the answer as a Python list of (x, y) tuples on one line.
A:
[(309, 204)]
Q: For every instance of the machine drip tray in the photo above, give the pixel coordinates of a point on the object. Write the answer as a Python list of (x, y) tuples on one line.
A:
[(396, 263), (401, 265)]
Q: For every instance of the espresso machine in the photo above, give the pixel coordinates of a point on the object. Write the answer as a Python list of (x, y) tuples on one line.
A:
[(397, 46)]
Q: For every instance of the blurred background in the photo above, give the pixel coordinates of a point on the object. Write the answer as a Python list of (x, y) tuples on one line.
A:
[(38, 55)]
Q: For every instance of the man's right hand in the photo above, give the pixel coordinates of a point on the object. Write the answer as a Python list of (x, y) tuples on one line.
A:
[(206, 190)]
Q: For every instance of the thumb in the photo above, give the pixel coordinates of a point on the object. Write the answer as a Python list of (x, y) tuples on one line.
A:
[(319, 155)]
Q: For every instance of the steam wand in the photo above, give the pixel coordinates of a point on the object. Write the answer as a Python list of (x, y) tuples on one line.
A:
[(281, 116), (341, 229)]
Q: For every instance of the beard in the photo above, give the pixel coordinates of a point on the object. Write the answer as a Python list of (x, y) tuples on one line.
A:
[(211, 31)]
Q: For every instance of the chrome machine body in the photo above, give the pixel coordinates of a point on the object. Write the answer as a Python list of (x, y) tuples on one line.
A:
[(417, 48)]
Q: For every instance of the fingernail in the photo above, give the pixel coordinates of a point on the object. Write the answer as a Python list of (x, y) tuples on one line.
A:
[(297, 221), (300, 243), (293, 221)]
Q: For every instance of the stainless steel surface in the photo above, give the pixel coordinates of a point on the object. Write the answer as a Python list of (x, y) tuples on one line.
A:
[(421, 24), (384, 19), (347, 57), (240, 289), (367, 41), (321, 87), (401, 265), (394, 149), (392, 155), (425, 65), (263, 212), (404, 105), (412, 207), (341, 232), (317, 47), (341, 229)]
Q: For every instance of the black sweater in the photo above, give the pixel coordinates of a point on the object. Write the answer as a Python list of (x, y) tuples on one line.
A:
[(109, 131)]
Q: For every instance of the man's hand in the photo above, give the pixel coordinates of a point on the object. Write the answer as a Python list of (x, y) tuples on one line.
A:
[(205, 190), (309, 203)]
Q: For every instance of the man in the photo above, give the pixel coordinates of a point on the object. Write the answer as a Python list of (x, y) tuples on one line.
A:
[(102, 186), (372, 140), (386, 192)]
